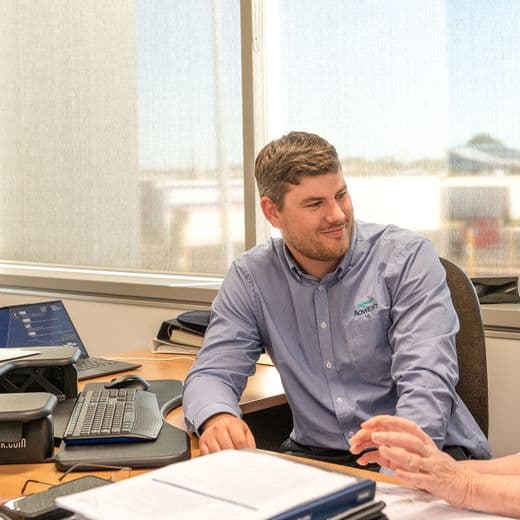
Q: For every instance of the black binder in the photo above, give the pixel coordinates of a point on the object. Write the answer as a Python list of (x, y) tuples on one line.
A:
[(498, 289), (194, 321)]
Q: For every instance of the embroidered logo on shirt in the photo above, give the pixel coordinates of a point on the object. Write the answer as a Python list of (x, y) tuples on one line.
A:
[(366, 306)]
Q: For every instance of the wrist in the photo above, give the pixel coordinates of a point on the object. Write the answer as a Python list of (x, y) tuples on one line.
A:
[(208, 423), (469, 488)]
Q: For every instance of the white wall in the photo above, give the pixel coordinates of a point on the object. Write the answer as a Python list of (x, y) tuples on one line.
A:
[(503, 361), (107, 327)]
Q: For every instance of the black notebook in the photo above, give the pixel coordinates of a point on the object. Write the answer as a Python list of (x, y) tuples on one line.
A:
[(194, 321), (39, 325)]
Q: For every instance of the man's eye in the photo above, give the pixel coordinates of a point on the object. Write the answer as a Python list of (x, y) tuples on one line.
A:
[(341, 195), (313, 204)]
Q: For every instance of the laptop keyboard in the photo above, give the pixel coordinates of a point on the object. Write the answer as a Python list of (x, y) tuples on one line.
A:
[(114, 415), (92, 362), (94, 367)]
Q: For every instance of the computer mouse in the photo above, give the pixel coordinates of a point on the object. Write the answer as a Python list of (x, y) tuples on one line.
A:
[(129, 381)]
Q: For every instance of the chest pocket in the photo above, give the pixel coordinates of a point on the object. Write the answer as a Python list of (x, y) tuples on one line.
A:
[(369, 348)]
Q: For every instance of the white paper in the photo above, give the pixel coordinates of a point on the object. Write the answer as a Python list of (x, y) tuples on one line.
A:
[(411, 504), (159, 346), (6, 354), (230, 484)]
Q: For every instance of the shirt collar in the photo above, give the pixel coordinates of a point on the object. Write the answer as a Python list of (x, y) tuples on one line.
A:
[(344, 264), (293, 266)]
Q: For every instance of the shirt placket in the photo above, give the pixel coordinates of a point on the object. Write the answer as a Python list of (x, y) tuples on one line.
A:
[(336, 389)]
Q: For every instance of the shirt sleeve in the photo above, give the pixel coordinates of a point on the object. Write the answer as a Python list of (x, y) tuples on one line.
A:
[(232, 345), (422, 336)]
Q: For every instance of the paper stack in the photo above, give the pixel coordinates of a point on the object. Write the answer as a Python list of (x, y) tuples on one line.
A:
[(231, 484)]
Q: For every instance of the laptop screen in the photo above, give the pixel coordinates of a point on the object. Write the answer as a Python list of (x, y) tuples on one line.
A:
[(38, 325)]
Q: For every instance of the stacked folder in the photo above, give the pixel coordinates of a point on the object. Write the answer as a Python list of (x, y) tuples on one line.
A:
[(183, 334)]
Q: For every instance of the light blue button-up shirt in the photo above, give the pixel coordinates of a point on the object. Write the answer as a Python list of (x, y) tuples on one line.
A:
[(376, 336)]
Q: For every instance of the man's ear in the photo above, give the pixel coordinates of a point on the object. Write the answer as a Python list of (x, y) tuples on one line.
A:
[(270, 211)]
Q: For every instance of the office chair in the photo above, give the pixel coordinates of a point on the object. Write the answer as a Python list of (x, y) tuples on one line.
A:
[(470, 342)]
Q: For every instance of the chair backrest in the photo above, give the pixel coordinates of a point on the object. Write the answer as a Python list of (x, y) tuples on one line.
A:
[(471, 347)]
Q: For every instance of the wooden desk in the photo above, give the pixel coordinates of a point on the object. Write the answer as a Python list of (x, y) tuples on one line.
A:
[(264, 390)]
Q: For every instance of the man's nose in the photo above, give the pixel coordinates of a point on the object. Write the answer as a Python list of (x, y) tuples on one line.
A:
[(335, 212)]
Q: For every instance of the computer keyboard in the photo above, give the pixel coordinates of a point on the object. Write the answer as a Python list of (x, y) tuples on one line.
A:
[(88, 367), (91, 362), (113, 415)]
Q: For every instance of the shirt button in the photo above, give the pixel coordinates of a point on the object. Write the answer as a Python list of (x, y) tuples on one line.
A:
[(323, 325), (339, 399), (328, 364), (320, 287)]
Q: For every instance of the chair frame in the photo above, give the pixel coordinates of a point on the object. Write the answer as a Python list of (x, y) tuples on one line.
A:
[(471, 345)]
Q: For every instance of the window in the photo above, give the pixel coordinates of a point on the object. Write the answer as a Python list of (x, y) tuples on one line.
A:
[(122, 142), (190, 135), (420, 100), (121, 137)]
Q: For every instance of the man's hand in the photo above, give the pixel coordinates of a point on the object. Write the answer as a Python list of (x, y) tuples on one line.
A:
[(406, 449), (225, 431)]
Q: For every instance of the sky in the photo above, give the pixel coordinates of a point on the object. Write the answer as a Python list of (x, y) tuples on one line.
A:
[(406, 79)]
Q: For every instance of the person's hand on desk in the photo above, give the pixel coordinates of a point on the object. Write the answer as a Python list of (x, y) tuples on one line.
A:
[(407, 450), (225, 431)]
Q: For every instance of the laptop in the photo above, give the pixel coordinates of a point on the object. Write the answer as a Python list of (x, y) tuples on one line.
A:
[(39, 325)]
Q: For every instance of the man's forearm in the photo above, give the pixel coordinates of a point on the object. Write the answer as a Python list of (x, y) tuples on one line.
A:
[(204, 397), (426, 408)]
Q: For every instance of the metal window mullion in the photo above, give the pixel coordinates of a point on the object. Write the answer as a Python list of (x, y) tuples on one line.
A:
[(253, 114)]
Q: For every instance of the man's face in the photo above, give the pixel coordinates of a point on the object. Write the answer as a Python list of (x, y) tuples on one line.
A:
[(316, 221)]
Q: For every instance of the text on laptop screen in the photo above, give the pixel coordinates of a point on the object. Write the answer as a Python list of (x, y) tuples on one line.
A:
[(38, 325)]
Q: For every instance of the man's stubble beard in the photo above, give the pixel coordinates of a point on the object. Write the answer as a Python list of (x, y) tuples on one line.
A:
[(316, 250)]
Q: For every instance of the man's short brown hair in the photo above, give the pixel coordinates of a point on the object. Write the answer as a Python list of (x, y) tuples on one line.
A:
[(283, 161)]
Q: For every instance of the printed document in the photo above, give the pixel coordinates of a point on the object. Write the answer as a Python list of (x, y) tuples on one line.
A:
[(231, 484)]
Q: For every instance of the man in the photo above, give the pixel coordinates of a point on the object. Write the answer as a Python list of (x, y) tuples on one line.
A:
[(356, 317), (492, 486)]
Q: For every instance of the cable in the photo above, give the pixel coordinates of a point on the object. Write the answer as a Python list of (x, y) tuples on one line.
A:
[(153, 359), (168, 406)]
